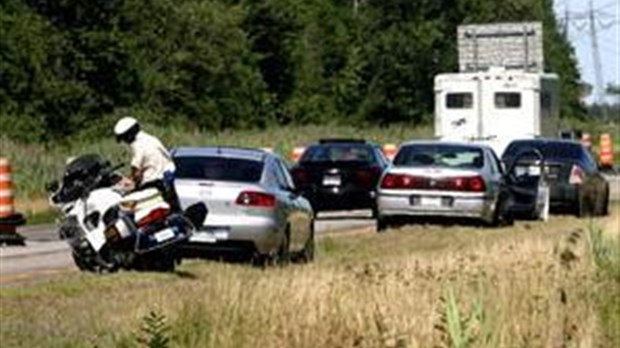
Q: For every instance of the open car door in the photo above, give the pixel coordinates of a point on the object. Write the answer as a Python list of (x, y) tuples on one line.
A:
[(526, 183)]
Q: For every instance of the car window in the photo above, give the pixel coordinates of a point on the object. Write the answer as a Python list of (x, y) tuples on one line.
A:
[(384, 161), (555, 150), (507, 100), (588, 161), (285, 174), (339, 153), (447, 156), (459, 100), (494, 163), (218, 168), (271, 178), (278, 174)]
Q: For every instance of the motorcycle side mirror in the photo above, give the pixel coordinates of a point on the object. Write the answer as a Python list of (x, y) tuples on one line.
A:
[(196, 214), (52, 186)]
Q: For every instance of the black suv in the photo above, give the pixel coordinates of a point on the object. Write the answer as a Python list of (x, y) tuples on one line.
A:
[(340, 174), (575, 182)]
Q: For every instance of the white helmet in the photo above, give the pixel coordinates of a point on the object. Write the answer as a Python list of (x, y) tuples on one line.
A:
[(126, 129)]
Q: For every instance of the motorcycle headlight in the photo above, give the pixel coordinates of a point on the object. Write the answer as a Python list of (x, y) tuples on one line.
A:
[(124, 227)]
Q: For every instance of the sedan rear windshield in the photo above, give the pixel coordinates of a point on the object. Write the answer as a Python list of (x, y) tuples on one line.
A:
[(338, 153), (218, 169), (443, 156), (551, 150)]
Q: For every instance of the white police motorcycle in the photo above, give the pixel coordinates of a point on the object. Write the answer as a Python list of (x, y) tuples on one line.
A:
[(108, 230)]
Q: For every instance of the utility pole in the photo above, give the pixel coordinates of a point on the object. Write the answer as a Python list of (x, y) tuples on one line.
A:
[(566, 19), (596, 60)]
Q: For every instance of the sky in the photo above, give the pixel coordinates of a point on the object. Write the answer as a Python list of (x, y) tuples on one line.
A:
[(607, 20)]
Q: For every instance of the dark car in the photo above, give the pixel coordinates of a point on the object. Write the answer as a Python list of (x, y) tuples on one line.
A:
[(340, 174), (574, 180)]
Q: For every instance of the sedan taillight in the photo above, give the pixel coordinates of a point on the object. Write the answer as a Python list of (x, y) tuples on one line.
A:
[(576, 175), (256, 199), (400, 181), (475, 184), (300, 176), (367, 177), (464, 183)]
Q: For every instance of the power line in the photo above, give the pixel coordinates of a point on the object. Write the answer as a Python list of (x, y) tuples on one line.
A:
[(596, 59), (609, 4)]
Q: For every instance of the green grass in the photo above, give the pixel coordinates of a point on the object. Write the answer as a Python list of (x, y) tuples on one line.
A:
[(418, 286), (47, 216), (606, 255), (34, 165)]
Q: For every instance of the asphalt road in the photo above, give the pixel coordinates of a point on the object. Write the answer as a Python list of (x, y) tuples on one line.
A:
[(44, 253)]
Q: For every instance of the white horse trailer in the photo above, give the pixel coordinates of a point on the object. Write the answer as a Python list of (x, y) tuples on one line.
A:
[(496, 106)]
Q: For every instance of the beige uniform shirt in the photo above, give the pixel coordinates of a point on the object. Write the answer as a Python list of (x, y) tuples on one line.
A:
[(150, 156)]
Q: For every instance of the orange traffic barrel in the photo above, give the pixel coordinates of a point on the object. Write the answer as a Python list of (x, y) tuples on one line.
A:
[(297, 152), (586, 140), (389, 150), (6, 189), (9, 220), (606, 151)]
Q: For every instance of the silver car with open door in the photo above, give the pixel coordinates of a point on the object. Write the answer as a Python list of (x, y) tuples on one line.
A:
[(254, 209), (431, 178)]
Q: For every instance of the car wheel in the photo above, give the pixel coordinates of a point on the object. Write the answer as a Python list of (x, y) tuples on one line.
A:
[(283, 255), (583, 206), (306, 255), (157, 262), (374, 212), (315, 213), (503, 216), (603, 208), (606, 205), (383, 223)]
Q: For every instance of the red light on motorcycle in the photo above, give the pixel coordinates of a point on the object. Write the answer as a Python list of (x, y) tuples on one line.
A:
[(154, 216), (256, 199), (576, 175)]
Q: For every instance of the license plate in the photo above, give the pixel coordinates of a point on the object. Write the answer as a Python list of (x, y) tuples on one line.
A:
[(203, 237), (164, 235), (209, 236), (528, 170), (534, 170), (331, 180), (430, 201)]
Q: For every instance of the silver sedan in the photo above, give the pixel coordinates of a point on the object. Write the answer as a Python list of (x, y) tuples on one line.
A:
[(430, 178), (254, 209)]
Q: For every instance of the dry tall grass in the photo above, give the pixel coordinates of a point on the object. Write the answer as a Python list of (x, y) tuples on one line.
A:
[(527, 286)]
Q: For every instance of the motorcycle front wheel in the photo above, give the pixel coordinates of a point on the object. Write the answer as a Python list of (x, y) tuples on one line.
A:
[(86, 259)]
